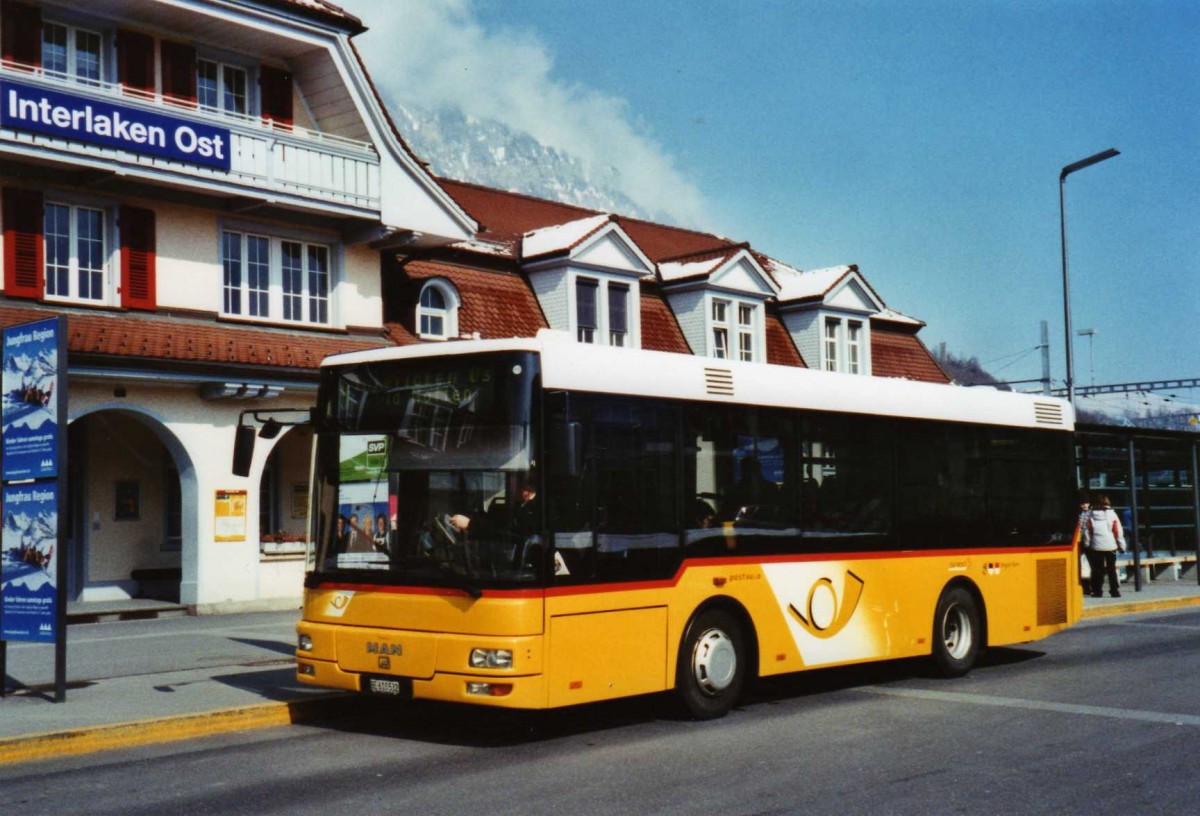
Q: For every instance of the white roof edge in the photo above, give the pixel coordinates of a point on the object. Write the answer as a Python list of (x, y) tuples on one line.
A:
[(372, 98), (570, 365)]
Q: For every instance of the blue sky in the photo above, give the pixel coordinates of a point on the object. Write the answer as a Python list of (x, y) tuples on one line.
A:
[(921, 140)]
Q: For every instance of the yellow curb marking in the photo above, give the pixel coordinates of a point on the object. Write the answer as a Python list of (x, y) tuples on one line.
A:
[(1138, 606), (144, 732)]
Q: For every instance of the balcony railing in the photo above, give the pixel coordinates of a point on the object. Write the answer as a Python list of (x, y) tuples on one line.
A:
[(267, 157)]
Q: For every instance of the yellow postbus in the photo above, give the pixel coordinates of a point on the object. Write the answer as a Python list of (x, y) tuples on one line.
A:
[(553, 523)]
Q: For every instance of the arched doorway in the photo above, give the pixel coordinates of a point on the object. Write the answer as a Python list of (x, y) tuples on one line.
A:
[(131, 484)]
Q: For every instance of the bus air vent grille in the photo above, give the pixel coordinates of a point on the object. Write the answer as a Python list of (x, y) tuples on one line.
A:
[(1048, 413), (1051, 591), (719, 381)]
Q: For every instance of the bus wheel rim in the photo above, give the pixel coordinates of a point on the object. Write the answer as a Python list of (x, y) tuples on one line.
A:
[(714, 662), (956, 632)]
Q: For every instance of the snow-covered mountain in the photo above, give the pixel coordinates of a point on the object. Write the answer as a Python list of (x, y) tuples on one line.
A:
[(488, 152)]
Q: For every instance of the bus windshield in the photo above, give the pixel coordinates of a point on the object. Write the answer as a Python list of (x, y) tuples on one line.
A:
[(425, 473)]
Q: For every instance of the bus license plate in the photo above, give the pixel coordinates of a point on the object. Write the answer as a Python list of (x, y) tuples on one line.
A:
[(390, 686)]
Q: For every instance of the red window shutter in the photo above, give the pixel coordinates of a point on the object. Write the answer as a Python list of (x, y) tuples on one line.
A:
[(135, 61), (22, 38), (178, 73), (138, 260), (276, 86), (24, 251)]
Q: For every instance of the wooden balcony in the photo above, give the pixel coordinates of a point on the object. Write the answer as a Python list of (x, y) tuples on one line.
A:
[(285, 166)]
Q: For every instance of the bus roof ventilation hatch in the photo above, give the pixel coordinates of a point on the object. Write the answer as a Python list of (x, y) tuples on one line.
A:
[(718, 381), (1048, 413)]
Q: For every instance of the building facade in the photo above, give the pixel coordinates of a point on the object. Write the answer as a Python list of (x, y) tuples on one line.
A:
[(199, 188), (213, 194)]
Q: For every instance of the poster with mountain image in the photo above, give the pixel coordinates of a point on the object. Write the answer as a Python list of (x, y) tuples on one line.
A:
[(29, 411), (29, 563)]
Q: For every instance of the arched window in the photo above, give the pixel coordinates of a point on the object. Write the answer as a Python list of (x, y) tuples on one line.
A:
[(437, 311)]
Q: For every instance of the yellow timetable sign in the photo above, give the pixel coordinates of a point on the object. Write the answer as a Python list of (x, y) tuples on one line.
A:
[(230, 515)]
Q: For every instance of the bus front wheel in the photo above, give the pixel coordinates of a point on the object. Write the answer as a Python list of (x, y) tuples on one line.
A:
[(957, 632), (712, 665)]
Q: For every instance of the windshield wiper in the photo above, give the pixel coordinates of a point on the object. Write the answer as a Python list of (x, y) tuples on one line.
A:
[(458, 580)]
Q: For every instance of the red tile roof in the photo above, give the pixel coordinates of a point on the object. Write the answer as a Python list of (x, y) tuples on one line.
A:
[(660, 329), (118, 335), (320, 10), (781, 350), (506, 216), (496, 304), (902, 354)]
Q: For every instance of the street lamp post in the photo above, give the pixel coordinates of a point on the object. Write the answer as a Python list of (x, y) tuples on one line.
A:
[(1090, 334), (1062, 219)]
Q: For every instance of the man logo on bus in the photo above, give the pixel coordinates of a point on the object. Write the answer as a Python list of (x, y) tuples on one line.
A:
[(825, 617)]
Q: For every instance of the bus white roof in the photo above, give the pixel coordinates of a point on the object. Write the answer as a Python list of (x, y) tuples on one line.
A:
[(574, 366)]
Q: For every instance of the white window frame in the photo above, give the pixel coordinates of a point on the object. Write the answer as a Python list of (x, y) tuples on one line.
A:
[(587, 334), (221, 66), (747, 321), (847, 348), (734, 328), (448, 314), (73, 268), (831, 332), (602, 334), (617, 338), (854, 357), (72, 38), (309, 306)]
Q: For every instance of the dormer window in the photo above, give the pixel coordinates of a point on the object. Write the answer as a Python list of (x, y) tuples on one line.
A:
[(602, 311), (618, 314), (832, 329), (586, 290), (745, 328), (853, 347), (71, 53), (843, 346), (734, 321), (437, 311), (720, 329)]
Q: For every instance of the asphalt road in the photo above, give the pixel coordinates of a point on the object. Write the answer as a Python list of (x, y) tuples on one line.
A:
[(1101, 719)]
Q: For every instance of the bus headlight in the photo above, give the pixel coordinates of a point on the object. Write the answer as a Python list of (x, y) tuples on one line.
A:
[(304, 643), (491, 658)]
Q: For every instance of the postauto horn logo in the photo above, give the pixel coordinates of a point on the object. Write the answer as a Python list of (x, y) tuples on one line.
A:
[(823, 616)]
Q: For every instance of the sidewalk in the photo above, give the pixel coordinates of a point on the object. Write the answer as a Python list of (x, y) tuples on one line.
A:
[(140, 681)]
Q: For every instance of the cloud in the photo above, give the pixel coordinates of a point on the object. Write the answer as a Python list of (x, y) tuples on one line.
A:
[(439, 55)]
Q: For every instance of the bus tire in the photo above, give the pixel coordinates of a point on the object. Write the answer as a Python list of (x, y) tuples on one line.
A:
[(957, 632), (712, 665)]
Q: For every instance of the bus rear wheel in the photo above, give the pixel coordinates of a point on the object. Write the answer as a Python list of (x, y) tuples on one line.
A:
[(712, 665), (957, 632)]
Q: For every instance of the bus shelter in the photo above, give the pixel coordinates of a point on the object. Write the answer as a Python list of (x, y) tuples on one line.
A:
[(1150, 477)]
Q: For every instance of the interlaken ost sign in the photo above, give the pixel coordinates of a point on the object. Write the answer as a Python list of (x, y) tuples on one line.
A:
[(85, 119)]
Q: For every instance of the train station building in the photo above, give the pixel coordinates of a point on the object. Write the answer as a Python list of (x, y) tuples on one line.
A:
[(215, 196)]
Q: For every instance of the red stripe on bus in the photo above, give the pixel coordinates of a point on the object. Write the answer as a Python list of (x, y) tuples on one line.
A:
[(691, 563)]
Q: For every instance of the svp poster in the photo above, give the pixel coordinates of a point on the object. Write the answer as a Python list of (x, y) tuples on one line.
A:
[(29, 563), (29, 411)]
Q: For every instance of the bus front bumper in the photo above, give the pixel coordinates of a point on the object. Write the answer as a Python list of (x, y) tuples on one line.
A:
[(526, 691)]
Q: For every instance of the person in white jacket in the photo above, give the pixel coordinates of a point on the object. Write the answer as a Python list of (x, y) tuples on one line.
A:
[(1103, 538)]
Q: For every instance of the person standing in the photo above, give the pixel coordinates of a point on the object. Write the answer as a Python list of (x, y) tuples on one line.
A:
[(1085, 565), (1103, 537)]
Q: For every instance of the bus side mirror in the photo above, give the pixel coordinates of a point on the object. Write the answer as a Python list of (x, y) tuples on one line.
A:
[(243, 449), (568, 439)]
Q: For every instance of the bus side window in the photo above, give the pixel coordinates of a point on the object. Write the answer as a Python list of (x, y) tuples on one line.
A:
[(846, 486), (618, 519), (740, 461)]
